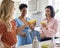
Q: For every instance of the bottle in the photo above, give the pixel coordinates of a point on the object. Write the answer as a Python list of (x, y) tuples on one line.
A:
[(35, 43)]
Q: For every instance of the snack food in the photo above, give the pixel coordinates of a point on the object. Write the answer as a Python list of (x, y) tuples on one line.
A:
[(45, 46), (42, 22), (32, 21)]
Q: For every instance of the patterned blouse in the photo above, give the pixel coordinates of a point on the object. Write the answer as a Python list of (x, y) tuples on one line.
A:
[(9, 38)]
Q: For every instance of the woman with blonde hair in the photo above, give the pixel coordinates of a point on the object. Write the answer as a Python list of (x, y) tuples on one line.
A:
[(7, 24), (8, 34)]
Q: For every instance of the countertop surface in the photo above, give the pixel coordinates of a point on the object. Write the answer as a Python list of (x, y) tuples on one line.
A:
[(40, 44)]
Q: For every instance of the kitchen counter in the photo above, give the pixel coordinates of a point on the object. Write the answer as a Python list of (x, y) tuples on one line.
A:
[(30, 45), (40, 43)]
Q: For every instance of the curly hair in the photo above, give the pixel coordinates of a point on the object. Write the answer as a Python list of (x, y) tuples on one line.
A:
[(21, 6), (6, 9)]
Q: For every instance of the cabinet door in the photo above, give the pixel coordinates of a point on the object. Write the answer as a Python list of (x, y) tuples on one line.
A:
[(38, 17), (32, 5)]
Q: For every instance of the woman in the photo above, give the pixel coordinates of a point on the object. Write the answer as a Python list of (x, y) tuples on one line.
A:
[(8, 27), (6, 12), (20, 21), (49, 28)]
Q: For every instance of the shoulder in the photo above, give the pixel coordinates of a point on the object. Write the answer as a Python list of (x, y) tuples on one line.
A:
[(13, 22), (17, 20), (55, 20), (2, 25)]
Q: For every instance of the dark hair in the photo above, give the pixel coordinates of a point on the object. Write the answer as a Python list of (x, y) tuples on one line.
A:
[(21, 6), (52, 11)]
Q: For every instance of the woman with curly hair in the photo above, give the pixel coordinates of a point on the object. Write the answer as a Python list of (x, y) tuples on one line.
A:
[(8, 29)]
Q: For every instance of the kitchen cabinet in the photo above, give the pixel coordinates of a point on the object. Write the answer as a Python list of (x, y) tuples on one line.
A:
[(34, 5)]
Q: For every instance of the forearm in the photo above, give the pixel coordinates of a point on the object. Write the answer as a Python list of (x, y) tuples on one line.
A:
[(49, 32), (20, 29), (19, 33)]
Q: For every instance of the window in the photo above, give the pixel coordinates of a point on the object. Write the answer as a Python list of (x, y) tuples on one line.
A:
[(56, 5), (57, 8)]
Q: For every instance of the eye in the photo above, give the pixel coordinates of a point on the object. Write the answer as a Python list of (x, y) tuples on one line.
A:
[(47, 10)]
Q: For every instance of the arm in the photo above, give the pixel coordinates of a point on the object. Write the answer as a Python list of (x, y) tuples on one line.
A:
[(49, 31), (19, 29), (42, 35)]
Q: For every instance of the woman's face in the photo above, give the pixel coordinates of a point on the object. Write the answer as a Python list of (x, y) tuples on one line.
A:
[(24, 11), (47, 12)]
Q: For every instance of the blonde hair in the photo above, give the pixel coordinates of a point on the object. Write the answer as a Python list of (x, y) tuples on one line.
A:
[(6, 9)]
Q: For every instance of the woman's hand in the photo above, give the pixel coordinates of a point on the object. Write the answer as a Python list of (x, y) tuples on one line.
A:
[(33, 25), (44, 25), (42, 35), (26, 23)]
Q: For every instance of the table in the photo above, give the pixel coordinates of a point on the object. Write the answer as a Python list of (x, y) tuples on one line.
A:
[(40, 43), (30, 45)]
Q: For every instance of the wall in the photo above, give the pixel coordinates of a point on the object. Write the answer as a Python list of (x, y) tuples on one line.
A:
[(43, 4), (37, 9), (38, 5)]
